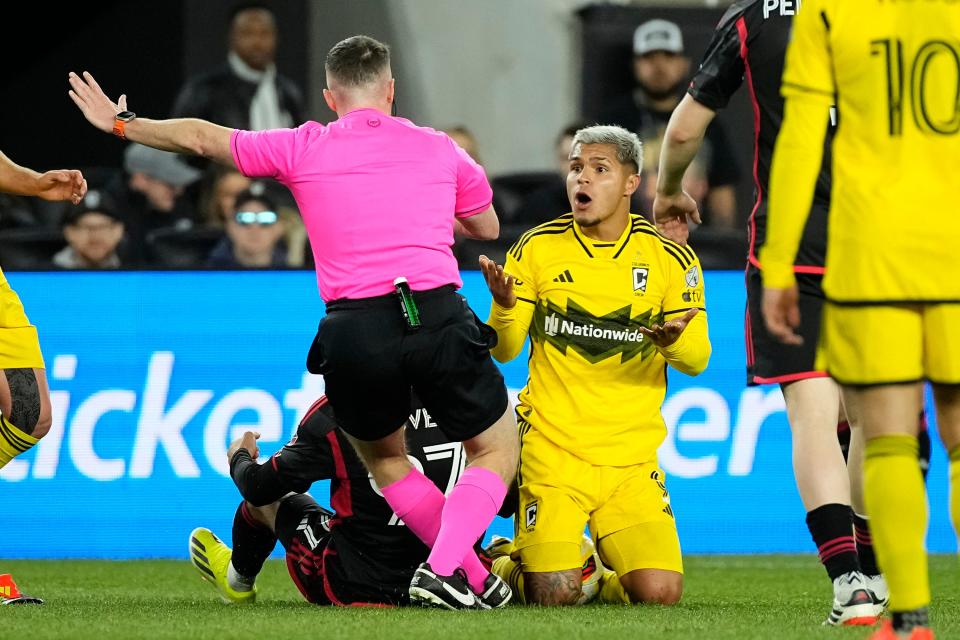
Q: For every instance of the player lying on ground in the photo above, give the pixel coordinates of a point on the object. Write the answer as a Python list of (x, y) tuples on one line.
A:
[(361, 553)]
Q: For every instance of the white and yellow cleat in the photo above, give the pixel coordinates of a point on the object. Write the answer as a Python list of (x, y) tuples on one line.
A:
[(211, 557)]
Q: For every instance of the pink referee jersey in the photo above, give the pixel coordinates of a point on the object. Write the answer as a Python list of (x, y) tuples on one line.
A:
[(378, 196)]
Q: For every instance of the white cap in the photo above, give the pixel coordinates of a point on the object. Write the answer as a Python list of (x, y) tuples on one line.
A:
[(657, 35)]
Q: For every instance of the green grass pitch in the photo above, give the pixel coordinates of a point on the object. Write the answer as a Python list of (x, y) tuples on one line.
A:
[(726, 597)]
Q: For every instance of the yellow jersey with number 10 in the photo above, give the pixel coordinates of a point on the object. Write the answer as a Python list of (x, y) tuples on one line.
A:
[(894, 68)]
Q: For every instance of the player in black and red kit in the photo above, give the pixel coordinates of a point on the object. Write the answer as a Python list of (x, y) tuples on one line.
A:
[(360, 553), (748, 47)]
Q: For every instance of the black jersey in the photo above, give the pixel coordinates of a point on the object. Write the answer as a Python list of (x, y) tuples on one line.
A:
[(750, 44), (368, 539)]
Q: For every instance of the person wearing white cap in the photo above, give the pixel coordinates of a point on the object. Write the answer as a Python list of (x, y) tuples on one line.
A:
[(661, 71)]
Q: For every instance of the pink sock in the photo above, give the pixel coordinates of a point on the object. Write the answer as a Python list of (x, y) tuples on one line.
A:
[(469, 510), (419, 503)]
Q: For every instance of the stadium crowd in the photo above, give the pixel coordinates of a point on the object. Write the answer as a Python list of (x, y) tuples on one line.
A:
[(161, 210)]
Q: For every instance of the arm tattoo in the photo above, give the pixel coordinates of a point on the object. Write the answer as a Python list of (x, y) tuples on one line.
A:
[(554, 588), (25, 396)]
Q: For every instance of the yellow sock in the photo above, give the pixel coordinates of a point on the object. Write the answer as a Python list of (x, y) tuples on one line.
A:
[(611, 590), (13, 442), (510, 572), (897, 503), (955, 487)]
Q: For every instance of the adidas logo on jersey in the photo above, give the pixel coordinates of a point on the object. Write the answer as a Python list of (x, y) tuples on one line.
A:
[(564, 277)]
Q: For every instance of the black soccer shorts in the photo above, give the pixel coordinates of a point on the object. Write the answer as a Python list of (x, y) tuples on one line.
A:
[(370, 359), (769, 360)]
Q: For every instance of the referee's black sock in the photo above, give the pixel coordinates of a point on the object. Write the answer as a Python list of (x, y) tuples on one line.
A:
[(252, 543), (832, 529)]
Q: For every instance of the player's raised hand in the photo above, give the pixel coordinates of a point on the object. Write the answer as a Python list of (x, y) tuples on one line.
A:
[(499, 282), (781, 312), (247, 441), (62, 184), (97, 108), (671, 211), (669, 332)]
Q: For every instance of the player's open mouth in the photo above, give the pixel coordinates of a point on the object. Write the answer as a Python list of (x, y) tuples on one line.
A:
[(582, 199)]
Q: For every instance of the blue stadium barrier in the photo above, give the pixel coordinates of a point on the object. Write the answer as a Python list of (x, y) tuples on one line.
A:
[(152, 375)]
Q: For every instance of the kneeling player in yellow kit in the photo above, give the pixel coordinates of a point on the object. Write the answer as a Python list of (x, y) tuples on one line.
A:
[(608, 303), (24, 398)]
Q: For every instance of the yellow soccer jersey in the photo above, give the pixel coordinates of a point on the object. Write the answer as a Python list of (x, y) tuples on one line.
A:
[(893, 69), (596, 383)]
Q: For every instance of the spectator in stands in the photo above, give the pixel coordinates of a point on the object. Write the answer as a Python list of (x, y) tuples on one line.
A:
[(219, 194), (551, 200), (246, 92), (151, 195), (467, 141), (254, 232), (661, 71), (93, 230)]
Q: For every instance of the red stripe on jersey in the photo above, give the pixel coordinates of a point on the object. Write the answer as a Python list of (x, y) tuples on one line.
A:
[(322, 400), (742, 33), (341, 499)]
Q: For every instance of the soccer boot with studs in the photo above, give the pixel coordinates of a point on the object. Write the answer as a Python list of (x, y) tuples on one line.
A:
[(211, 557)]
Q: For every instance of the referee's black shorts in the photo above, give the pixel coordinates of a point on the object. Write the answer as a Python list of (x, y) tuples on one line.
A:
[(370, 359), (769, 361)]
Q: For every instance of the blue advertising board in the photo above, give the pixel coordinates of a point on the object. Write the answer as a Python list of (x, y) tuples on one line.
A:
[(152, 374)]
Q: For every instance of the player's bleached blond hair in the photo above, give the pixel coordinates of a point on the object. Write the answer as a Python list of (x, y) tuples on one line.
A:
[(628, 145)]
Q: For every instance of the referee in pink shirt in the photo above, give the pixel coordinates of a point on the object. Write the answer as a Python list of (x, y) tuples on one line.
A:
[(380, 198)]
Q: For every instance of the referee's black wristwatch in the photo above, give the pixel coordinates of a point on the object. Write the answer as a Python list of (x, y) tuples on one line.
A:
[(120, 121)]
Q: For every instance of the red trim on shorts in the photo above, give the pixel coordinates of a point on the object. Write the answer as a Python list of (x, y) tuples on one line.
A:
[(340, 501), (809, 268), (790, 377), (742, 33)]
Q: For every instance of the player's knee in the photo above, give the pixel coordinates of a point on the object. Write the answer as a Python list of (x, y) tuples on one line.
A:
[(552, 589), (664, 591), (29, 411), (43, 425), (265, 515)]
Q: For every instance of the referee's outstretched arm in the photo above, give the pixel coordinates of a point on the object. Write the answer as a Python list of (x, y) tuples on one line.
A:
[(181, 135)]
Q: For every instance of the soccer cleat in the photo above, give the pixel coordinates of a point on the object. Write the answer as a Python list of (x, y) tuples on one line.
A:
[(498, 546), (877, 586), (446, 592), (886, 632), (10, 594), (211, 557), (853, 604), (496, 593)]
